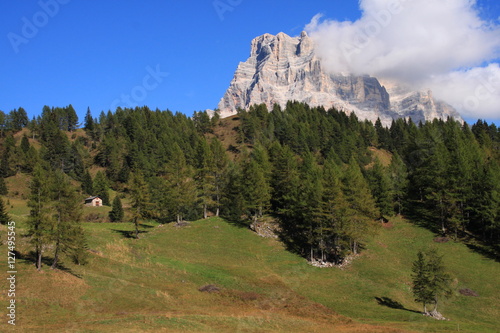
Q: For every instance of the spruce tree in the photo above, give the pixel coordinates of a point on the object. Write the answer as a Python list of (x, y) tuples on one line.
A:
[(220, 163), (116, 214), (205, 177), (140, 200), (398, 175), (256, 190), (3, 187), (332, 213), (4, 216), (25, 144), (233, 202), (100, 187), (87, 183), (181, 184), (381, 188), (430, 280), (307, 204), (362, 210), (421, 277), (39, 221), (66, 229)]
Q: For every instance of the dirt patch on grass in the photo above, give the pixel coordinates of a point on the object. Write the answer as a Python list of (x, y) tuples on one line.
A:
[(468, 292), (441, 240), (209, 288), (388, 225)]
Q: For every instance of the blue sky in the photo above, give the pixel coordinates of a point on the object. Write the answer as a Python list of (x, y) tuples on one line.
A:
[(177, 55)]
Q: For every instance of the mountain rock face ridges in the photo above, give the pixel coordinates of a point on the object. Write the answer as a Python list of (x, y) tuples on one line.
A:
[(283, 68)]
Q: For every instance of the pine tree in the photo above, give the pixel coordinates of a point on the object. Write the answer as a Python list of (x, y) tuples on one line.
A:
[(380, 185), (421, 277), (430, 280), (39, 221), (205, 177), (25, 144), (66, 223), (4, 216), (100, 187), (116, 214), (398, 175), (3, 187), (219, 171), (140, 200), (333, 241), (307, 203), (87, 183), (256, 189), (233, 202), (362, 210), (182, 187)]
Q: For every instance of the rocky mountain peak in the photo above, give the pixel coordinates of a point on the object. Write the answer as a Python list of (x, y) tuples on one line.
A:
[(282, 68)]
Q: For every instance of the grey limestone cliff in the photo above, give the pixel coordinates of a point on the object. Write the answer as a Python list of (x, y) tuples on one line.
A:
[(283, 68)]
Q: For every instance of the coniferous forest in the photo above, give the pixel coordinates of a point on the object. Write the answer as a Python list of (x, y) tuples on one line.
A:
[(327, 178)]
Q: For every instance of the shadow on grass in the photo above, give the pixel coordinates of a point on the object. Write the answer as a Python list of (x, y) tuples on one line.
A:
[(46, 261), (484, 250), (129, 233), (390, 303), (238, 222), (420, 215)]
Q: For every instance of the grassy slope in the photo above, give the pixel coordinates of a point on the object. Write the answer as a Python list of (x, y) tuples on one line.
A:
[(152, 284)]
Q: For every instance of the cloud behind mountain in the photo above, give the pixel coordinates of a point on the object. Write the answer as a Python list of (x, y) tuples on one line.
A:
[(442, 45)]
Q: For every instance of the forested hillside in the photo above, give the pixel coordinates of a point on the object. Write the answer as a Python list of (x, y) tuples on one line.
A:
[(324, 176)]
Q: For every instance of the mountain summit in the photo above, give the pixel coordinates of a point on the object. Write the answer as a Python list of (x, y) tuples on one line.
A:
[(283, 68)]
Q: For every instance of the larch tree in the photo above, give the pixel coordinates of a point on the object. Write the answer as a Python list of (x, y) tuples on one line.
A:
[(398, 174), (116, 213), (4, 216), (219, 171), (39, 221), (430, 280), (140, 200), (361, 211), (332, 212), (381, 188), (182, 187), (100, 187), (205, 177), (256, 189), (66, 227)]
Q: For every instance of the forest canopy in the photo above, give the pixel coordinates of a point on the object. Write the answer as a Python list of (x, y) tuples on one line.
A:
[(313, 170)]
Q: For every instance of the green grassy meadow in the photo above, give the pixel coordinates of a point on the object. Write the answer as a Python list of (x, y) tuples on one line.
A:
[(151, 284)]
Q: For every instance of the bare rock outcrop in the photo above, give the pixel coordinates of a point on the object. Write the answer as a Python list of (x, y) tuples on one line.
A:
[(283, 68)]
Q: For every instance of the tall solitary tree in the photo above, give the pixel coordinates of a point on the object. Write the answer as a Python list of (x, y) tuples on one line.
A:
[(66, 229), (430, 280), (39, 220), (139, 194)]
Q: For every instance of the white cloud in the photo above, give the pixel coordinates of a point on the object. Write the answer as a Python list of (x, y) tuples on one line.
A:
[(475, 93), (442, 45)]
